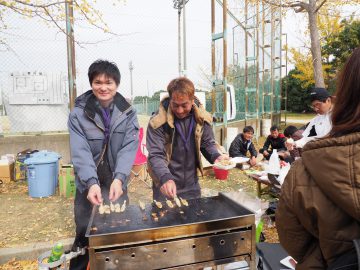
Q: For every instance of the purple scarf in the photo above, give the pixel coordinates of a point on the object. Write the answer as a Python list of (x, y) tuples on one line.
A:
[(106, 116), (182, 135)]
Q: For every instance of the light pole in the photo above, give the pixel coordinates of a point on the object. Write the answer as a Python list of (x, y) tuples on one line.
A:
[(131, 67), (179, 4), (70, 45)]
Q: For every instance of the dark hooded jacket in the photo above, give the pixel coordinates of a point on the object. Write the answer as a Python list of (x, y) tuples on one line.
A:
[(167, 157), (239, 147), (318, 214), (274, 143), (87, 134)]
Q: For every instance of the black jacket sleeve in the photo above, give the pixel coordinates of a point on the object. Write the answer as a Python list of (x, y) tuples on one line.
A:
[(235, 149), (266, 144), (252, 150), (208, 145), (282, 146)]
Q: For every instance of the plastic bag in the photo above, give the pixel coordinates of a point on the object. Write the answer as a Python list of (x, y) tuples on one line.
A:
[(283, 172), (274, 163)]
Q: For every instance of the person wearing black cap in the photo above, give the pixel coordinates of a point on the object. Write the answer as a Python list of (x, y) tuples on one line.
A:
[(320, 125)]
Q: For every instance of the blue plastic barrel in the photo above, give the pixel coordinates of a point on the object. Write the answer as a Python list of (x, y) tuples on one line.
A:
[(45, 153), (40, 175)]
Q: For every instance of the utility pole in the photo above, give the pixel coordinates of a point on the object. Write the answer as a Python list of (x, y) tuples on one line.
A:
[(184, 38), (70, 46), (147, 87), (179, 39), (131, 68), (180, 4)]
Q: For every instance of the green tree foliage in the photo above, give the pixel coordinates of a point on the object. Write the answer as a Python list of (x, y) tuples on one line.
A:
[(297, 95), (140, 99), (339, 47), (154, 97), (336, 50)]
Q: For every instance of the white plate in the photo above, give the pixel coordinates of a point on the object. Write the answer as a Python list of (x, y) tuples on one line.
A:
[(239, 159), (224, 167), (286, 262)]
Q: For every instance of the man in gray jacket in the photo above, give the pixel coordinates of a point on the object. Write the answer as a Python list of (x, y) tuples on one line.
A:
[(103, 131), (176, 136)]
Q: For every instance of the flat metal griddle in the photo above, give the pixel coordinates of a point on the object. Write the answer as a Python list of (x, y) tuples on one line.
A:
[(202, 215)]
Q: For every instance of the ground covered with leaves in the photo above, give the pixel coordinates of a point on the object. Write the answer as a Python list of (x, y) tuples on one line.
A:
[(27, 220)]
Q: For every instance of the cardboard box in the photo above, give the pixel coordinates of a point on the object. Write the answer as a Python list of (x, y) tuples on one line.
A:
[(7, 172), (67, 186)]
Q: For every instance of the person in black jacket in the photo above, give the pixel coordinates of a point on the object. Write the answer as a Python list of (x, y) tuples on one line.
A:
[(242, 144), (275, 140)]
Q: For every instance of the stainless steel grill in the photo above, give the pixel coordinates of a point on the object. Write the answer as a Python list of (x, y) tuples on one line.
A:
[(210, 231)]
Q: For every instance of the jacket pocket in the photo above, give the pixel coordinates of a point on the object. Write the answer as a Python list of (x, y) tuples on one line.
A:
[(118, 135), (96, 141)]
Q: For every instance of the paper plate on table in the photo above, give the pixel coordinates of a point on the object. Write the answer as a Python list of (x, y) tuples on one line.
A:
[(239, 159), (225, 166)]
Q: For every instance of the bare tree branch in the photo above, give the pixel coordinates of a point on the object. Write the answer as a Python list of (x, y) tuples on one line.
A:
[(296, 4), (301, 6), (39, 6), (90, 21), (58, 26), (298, 10), (322, 3)]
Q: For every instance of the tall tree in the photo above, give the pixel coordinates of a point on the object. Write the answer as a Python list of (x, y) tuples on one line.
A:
[(297, 93), (53, 13), (312, 7), (302, 61), (338, 47)]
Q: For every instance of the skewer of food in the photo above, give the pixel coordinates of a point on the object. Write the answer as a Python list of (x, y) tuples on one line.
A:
[(117, 208), (101, 209), (158, 204), (123, 207), (177, 201), (154, 216), (142, 205), (169, 203), (184, 202), (162, 213), (107, 209)]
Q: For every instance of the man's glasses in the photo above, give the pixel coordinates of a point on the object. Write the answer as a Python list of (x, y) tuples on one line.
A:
[(316, 105)]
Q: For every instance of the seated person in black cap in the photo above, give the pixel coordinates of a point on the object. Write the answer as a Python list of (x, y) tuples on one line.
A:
[(275, 140), (320, 125)]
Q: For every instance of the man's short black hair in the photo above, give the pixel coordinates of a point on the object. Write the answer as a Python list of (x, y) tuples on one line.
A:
[(105, 67), (248, 129), (274, 127), (289, 131)]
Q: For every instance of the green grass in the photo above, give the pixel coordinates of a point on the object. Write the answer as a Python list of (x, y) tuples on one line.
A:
[(298, 116)]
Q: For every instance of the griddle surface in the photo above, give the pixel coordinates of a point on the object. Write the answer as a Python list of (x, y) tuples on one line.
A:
[(199, 211)]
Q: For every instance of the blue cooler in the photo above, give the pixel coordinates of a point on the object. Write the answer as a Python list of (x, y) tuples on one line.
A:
[(40, 174), (45, 153)]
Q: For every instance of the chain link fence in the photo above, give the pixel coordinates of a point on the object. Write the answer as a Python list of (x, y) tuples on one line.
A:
[(33, 75), (254, 40)]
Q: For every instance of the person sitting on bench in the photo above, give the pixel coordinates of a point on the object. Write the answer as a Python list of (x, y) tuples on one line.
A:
[(275, 140), (242, 144)]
